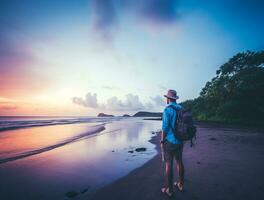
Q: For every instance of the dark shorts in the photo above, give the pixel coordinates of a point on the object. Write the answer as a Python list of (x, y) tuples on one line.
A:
[(172, 151)]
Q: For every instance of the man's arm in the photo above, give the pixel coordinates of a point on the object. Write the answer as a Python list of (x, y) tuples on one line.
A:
[(163, 135), (165, 125)]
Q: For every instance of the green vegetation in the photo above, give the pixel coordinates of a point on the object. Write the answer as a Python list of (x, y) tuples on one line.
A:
[(235, 94)]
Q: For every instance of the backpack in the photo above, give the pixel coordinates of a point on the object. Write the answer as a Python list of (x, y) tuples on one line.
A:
[(184, 127)]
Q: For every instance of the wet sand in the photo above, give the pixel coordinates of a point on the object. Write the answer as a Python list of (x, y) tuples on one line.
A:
[(225, 163), (55, 162)]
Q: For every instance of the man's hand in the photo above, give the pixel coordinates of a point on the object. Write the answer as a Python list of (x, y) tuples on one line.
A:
[(161, 145), (163, 136)]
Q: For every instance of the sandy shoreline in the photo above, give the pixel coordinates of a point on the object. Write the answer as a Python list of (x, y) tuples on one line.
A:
[(73, 159), (226, 163)]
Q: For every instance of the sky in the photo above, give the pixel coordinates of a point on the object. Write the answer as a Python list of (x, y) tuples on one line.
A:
[(81, 57)]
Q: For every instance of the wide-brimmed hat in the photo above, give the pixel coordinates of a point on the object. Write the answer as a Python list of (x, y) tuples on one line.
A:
[(172, 94)]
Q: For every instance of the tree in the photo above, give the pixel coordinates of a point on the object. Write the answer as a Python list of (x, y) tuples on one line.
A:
[(236, 93)]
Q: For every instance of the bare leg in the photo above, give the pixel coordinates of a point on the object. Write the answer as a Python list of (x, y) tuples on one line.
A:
[(169, 174), (180, 166)]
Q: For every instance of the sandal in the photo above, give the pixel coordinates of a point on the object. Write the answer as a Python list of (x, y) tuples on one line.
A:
[(166, 191), (179, 186)]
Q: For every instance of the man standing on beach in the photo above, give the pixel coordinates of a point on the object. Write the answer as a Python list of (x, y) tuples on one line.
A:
[(171, 146)]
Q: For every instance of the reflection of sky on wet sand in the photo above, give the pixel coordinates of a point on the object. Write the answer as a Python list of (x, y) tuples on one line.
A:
[(90, 162), (21, 140)]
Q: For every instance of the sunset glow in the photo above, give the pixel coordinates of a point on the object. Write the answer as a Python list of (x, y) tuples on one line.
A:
[(123, 53)]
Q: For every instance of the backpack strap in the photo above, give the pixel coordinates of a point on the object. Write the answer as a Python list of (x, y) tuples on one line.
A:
[(177, 117), (175, 109)]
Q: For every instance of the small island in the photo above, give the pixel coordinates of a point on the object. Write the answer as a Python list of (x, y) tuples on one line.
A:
[(104, 115), (147, 114), (126, 115)]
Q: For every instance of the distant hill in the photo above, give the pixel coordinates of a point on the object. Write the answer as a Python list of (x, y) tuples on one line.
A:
[(126, 115), (104, 115), (147, 114)]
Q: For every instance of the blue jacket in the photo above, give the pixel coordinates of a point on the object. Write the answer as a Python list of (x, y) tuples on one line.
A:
[(168, 121)]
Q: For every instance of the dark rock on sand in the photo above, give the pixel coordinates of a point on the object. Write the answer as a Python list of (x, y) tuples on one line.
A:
[(84, 190), (104, 115), (71, 194), (131, 151), (140, 149), (155, 132)]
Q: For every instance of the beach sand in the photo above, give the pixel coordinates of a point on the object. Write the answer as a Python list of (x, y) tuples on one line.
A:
[(225, 163)]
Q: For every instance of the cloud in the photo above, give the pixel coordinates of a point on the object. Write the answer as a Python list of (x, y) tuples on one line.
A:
[(158, 101), (5, 105), (104, 18), (160, 11), (130, 103), (110, 87), (90, 100), (8, 107), (106, 14)]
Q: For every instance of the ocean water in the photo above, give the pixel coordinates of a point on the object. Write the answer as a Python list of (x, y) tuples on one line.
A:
[(10, 123), (44, 158), (18, 144)]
